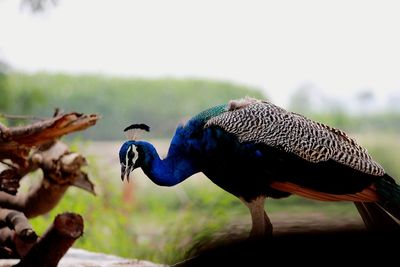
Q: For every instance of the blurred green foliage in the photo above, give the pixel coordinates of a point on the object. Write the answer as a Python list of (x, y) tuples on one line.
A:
[(374, 123), (4, 91), (160, 103)]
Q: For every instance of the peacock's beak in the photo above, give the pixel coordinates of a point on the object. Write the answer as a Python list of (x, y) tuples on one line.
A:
[(125, 172)]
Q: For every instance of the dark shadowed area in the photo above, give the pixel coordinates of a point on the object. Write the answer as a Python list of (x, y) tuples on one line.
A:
[(335, 246)]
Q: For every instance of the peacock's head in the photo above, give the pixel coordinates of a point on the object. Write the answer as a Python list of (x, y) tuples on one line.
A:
[(129, 155)]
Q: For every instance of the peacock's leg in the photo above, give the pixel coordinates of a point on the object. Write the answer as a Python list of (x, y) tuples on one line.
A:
[(268, 225), (261, 224)]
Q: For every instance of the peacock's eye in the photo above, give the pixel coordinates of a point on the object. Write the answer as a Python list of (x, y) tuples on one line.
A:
[(131, 154)]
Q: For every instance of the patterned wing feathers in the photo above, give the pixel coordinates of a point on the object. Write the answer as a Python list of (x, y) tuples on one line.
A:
[(262, 122)]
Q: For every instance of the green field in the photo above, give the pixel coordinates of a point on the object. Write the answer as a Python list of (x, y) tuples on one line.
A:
[(161, 103)]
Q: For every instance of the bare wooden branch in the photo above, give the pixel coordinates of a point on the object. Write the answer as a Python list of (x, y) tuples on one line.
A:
[(17, 221), (61, 169), (43, 131), (9, 180), (7, 247), (48, 251), (23, 150), (41, 199), (17, 235)]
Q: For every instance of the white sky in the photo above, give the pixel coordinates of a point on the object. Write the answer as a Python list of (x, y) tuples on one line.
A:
[(340, 46)]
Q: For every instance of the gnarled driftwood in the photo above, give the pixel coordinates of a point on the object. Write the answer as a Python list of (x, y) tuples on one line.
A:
[(25, 149)]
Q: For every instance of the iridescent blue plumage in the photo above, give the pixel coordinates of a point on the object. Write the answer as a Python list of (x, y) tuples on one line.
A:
[(182, 158)]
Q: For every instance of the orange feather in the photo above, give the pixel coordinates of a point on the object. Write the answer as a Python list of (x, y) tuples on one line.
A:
[(367, 195)]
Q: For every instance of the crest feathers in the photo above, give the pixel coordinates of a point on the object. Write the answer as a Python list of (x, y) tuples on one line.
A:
[(134, 130)]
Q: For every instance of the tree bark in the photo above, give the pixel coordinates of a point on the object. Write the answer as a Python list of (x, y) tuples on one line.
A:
[(26, 149), (43, 131), (61, 169), (17, 235), (50, 248), (17, 221)]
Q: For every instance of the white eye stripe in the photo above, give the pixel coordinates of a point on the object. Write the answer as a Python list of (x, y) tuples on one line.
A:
[(136, 155), (134, 150), (126, 156)]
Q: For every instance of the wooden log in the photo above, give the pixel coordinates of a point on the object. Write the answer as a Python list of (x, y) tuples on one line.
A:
[(24, 149), (53, 245), (41, 132), (61, 169), (17, 235)]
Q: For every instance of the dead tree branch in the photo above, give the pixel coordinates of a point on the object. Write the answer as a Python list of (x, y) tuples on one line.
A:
[(61, 169), (17, 221), (41, 132), (25, 149), (17, 235), (66, 228)]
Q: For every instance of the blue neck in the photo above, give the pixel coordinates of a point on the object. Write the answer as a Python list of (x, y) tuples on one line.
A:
[(170, 171)]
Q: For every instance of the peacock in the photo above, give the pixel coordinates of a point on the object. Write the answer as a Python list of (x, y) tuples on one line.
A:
[(254, 149)]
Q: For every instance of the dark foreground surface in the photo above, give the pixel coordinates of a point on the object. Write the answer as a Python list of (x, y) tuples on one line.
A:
[(324, 248)]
